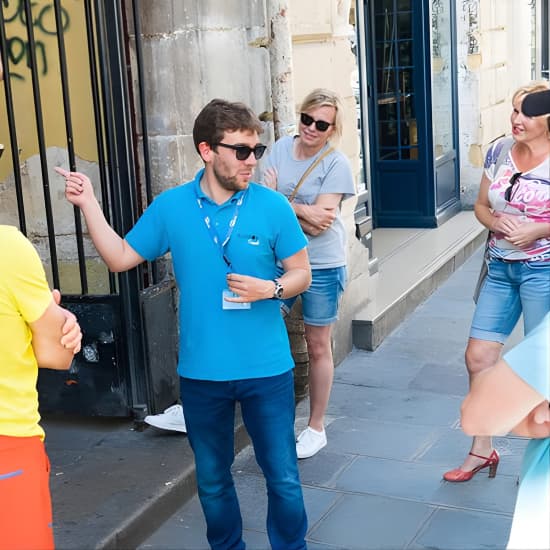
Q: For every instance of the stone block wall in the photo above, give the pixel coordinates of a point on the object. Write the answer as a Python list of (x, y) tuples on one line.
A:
[(494, 58), (194, 52)]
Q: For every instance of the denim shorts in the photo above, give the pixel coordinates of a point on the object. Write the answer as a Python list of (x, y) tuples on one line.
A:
[(321, 300), (510, 289)]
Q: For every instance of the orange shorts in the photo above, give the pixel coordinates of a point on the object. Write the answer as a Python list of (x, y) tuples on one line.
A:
[(25, 503)]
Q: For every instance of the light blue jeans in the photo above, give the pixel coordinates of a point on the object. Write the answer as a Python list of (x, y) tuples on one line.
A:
[(267, 406), (510, 289), (321, 300)]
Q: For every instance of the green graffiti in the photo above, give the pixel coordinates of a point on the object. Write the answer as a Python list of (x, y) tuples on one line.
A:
[(18, 49), (42, 20), (15, 44)]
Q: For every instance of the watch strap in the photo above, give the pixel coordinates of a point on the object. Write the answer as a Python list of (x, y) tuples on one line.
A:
[(279, 289)]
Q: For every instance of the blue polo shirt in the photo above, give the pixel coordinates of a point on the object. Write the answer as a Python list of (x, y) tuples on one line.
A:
[(216, 343)]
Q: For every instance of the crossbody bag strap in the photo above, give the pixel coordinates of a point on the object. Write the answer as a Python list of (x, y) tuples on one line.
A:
[(507, 145), (506, 148), (308, 172)]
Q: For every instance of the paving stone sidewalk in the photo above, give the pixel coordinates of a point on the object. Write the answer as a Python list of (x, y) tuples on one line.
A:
[(393, 429)]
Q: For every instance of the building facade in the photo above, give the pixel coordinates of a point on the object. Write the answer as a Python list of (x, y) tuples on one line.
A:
[(113, 91)]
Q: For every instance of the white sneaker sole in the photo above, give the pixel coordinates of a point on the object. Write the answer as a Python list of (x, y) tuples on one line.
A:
[(311, 453), (170, 428)]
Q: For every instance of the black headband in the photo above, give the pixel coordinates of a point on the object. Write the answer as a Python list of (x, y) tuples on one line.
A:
[(536, 103)]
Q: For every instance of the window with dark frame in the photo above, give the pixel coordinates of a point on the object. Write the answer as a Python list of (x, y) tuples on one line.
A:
[(393, 32)]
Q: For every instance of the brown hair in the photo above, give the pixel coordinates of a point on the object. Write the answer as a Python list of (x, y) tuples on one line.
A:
[(220, 116), (321, 97)]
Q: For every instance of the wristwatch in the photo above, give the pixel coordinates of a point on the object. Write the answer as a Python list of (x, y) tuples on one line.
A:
[(278, 292)]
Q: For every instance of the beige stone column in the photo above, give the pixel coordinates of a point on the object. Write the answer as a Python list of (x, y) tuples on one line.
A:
[(280, 62)]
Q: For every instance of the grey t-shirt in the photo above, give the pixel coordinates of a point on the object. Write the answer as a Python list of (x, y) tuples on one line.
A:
[(331, 175)]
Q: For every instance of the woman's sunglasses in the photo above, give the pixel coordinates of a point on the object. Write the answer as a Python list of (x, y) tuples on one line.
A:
[(321, 125), (513, 180), (242, 152)]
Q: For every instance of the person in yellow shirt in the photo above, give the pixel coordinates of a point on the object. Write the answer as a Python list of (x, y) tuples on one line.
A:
[(34, 332)]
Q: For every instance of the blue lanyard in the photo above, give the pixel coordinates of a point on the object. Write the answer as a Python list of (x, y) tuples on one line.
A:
[(214, 234)]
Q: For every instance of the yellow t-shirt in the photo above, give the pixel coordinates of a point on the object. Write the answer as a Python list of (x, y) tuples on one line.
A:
[(24, 297)]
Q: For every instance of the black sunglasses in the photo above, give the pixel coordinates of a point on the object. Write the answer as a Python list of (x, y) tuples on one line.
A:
[(513, 180), (321, 125), (242, 152)]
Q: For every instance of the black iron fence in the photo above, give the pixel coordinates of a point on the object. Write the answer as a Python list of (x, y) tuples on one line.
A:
[(113, 374)]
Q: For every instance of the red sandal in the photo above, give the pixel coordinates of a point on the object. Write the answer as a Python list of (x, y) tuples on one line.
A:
[(457, 474)]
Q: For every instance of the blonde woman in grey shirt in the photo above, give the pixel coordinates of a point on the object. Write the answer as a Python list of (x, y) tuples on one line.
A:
[(316, 202)]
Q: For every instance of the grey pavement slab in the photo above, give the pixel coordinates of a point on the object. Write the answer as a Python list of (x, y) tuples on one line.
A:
[(394, 478), (373, 438), (409, 407), (456, 527), (481, 493), (393, 428), (450, 379), (371, 522), (365, 368), (104, 473)]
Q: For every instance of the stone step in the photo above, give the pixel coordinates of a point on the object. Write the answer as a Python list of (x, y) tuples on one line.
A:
[(412, 264)]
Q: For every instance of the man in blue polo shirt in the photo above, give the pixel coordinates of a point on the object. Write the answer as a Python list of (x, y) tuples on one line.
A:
[(226, 235)]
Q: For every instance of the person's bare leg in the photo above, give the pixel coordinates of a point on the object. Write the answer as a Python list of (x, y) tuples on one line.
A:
[(321, 373), (480, 355)]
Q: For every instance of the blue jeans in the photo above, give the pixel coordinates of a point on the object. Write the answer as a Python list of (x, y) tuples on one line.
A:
[(321, 300), (510, 289), (267, 406)]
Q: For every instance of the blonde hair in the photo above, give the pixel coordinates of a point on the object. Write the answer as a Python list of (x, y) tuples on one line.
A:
[(321, 97), (534, 86)]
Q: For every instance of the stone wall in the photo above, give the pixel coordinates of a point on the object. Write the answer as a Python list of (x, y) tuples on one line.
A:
[(194, 52), (494, 58)]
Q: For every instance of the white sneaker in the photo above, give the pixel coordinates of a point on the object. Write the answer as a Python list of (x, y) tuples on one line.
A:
[(171, 419), (310, 442)]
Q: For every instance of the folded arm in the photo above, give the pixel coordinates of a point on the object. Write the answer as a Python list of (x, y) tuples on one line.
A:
[(527, 233), (51, 347), (496, 222), (318, 217)]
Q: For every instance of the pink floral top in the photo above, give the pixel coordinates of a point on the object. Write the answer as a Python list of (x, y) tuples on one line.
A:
[(529, 200)]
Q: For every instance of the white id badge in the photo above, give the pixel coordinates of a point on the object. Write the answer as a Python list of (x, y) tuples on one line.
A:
[(233, 305)]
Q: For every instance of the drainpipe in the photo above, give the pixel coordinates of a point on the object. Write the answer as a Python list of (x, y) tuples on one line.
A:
[(280, 61), (284, 123)]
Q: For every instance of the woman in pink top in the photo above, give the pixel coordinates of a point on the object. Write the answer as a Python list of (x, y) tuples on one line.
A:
[(514, 205)]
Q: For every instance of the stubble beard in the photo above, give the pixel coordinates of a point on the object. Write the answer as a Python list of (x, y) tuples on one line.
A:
[(229, 183)]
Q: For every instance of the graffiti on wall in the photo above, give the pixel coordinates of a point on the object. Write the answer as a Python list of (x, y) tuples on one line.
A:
[(43, 48), (471, 11), (437, 10), (43, 23)]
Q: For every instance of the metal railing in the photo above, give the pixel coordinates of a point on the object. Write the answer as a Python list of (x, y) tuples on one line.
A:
[(116, 126)]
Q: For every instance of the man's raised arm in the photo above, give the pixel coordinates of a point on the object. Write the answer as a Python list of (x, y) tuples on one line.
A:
[(115, 251)]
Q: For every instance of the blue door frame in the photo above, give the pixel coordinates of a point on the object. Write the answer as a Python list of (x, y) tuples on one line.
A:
[(409, 187)]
